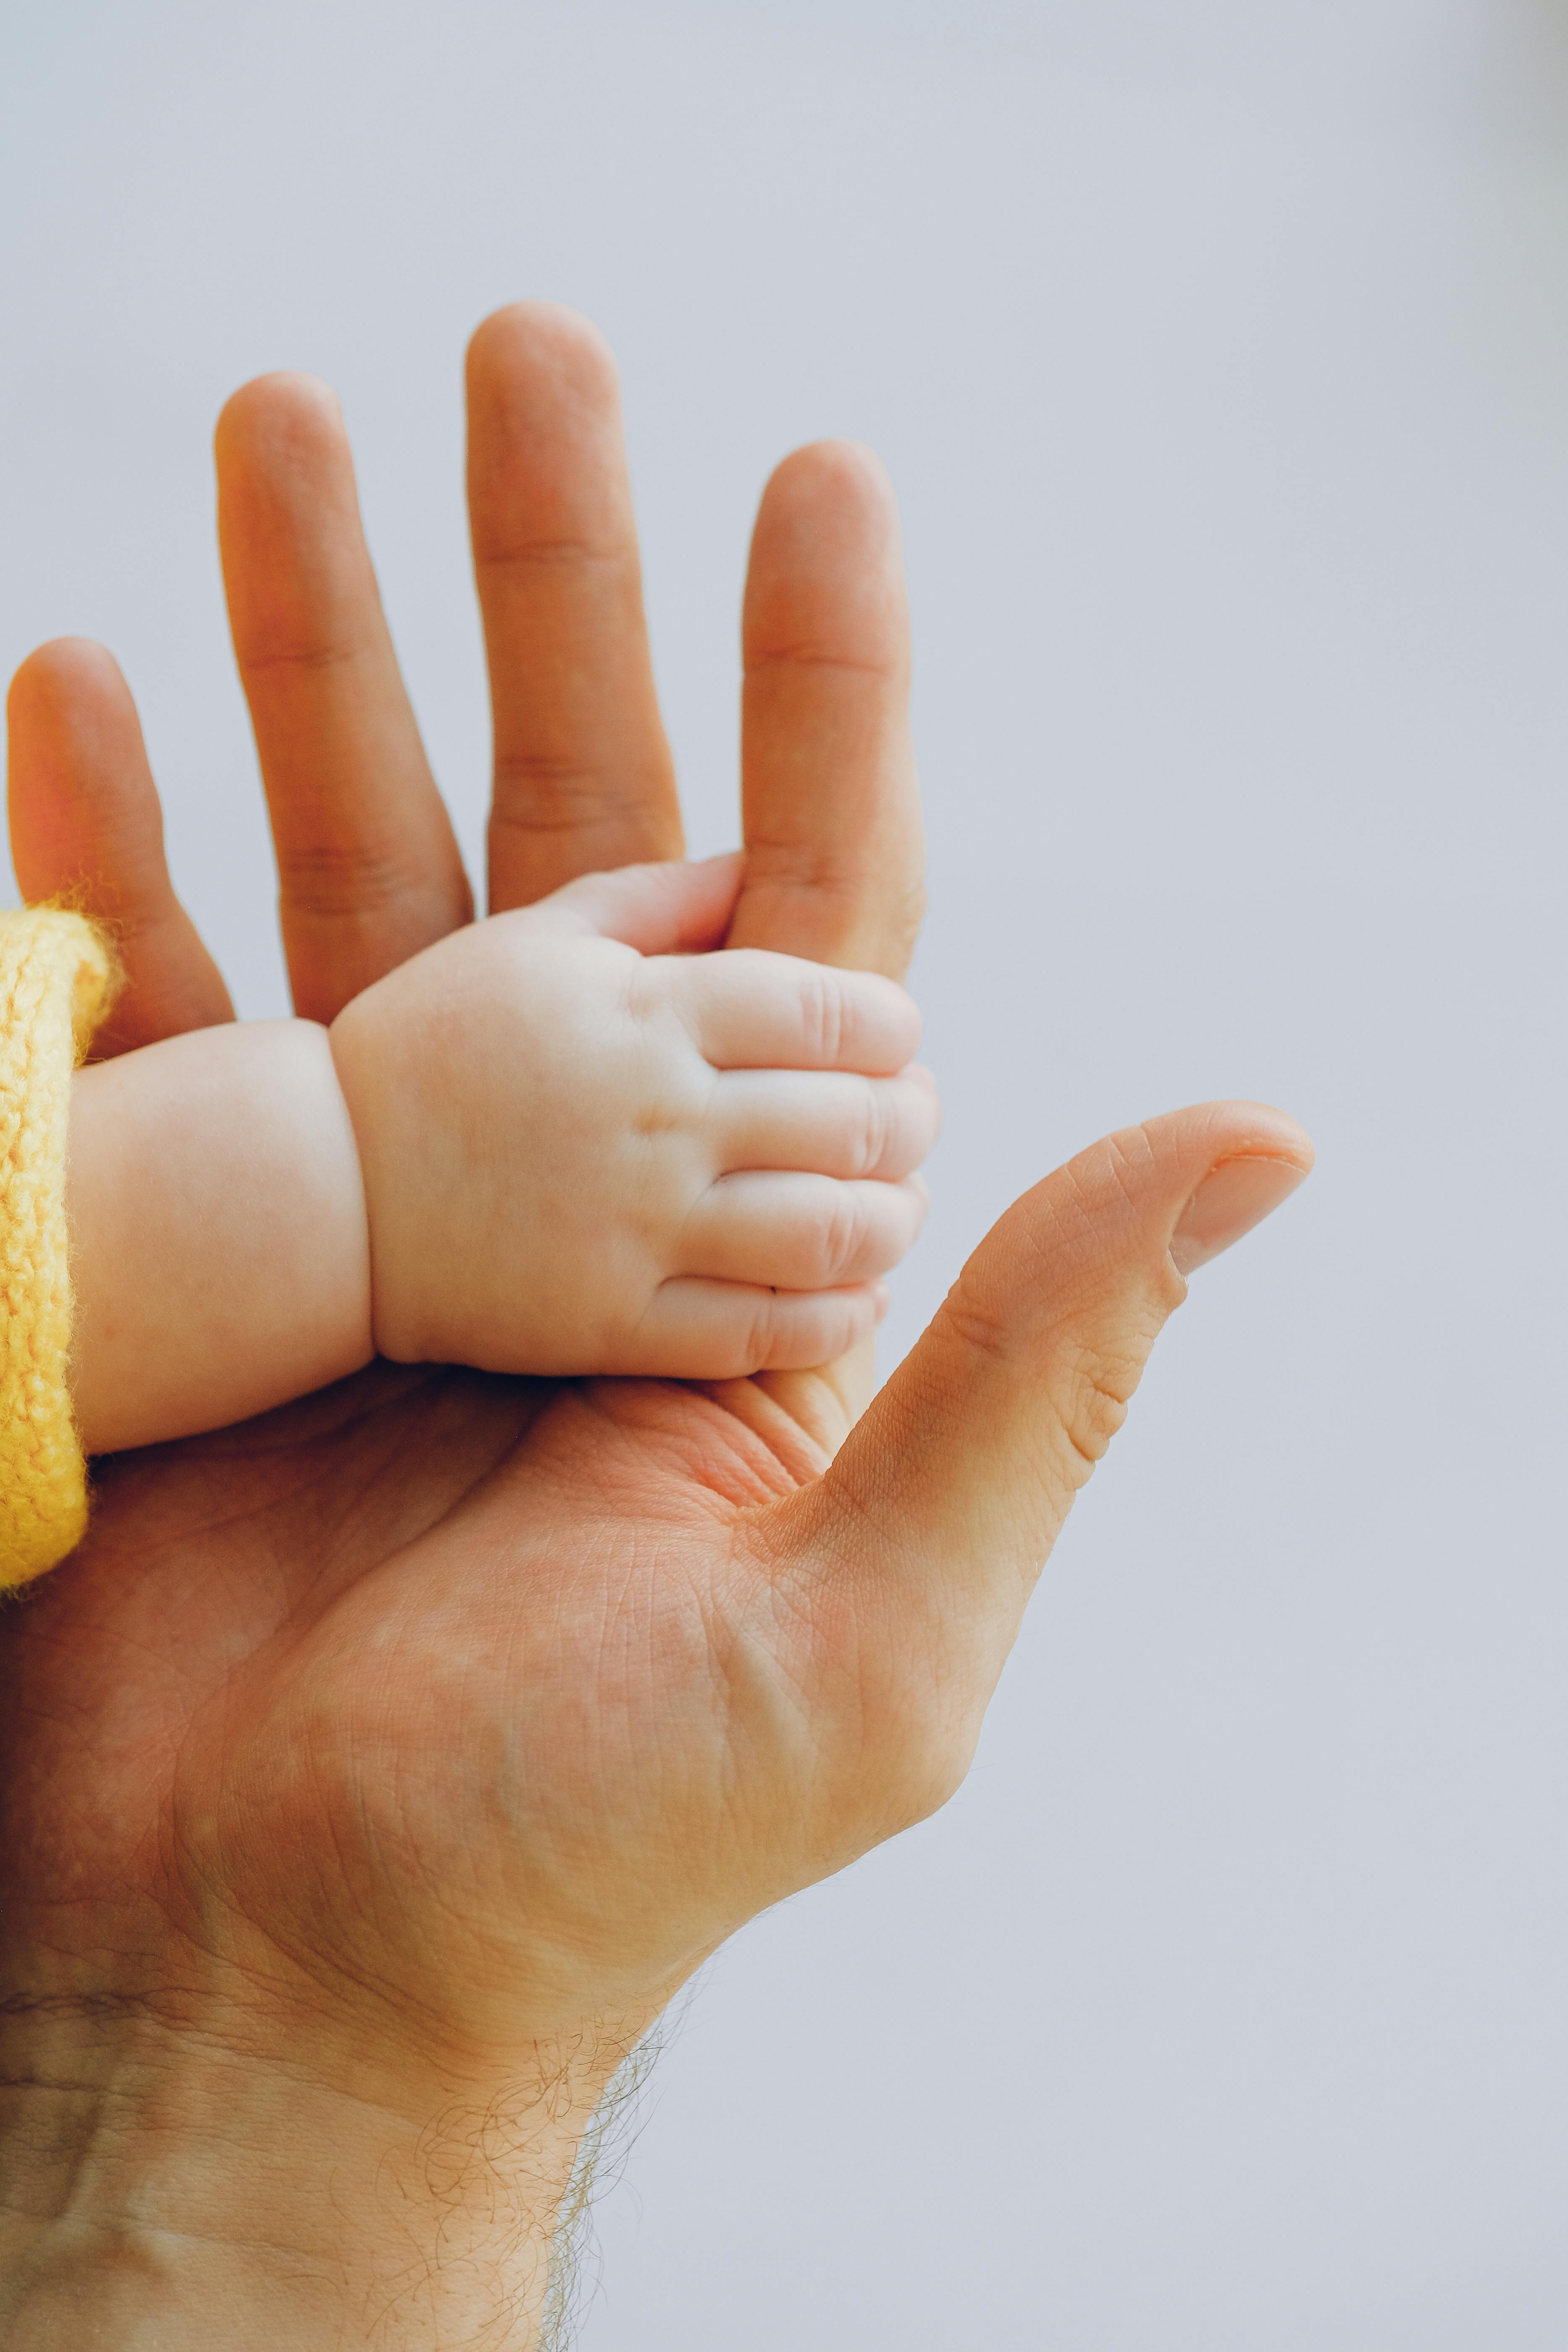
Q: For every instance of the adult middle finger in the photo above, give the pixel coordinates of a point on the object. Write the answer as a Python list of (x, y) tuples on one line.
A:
[(583, 778)]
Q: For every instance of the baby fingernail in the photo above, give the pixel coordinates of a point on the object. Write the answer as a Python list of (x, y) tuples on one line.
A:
[(1231, 1199)]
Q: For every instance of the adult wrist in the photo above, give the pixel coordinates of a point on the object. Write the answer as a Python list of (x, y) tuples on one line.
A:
[(184, 2174)]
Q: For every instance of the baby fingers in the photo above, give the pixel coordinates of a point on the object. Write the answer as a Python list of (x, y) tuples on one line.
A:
[(748, 1009), (801, 1233), (830, 1122), (698, 1330)]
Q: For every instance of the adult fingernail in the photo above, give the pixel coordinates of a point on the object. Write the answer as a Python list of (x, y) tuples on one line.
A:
[(1231, 1199)]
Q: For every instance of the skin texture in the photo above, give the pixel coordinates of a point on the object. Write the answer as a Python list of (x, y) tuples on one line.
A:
[(377, 1770), (220, 1258), (561, 1140), (579, 1158)]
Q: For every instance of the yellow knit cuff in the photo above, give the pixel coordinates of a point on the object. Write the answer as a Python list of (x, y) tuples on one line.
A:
[(56, 979)]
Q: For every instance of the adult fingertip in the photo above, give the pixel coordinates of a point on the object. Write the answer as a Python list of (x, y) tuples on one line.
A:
[(834, 484), (1236, 1195), (81, 800), (53, 672), (543, 334), (284, 410)]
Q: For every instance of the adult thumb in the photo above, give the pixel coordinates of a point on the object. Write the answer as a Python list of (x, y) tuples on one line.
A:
[(952, 1488)]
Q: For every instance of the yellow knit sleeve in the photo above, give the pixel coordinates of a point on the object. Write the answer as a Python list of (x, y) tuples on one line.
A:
[(56, 979)]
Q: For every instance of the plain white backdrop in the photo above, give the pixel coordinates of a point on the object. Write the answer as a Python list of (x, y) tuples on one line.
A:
[(1219, 351)]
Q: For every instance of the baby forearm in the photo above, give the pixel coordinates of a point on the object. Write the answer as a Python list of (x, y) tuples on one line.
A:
[(219, 1253)]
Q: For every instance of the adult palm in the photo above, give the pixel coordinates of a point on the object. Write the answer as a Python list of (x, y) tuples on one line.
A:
[(428, 1733)]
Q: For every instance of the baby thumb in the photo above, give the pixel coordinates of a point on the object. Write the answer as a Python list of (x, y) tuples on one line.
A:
[(670, 909)]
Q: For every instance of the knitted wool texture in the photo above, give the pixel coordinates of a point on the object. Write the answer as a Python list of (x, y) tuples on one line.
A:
[(56, 980)]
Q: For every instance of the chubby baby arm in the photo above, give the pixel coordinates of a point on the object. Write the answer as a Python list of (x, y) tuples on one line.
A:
[(585, 1150), (220, 1258), (550, 1144)]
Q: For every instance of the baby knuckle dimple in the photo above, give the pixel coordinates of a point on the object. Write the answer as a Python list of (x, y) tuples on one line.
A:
[(842, 1234), (759, 1338), (821, 1014), (654, 1006), (875, 1142)]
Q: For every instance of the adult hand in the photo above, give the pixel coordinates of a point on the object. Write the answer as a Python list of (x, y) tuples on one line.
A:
[(376, 1771)]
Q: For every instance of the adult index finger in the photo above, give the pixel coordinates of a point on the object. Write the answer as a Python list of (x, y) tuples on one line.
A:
[(368, 867)]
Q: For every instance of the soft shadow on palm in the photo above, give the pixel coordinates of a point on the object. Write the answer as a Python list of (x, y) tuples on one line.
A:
[(424, 1682)]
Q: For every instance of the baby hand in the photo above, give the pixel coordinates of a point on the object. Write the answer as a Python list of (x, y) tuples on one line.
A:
[(585, 1153)]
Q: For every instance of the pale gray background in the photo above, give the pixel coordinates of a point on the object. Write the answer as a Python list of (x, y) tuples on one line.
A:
[(1219, 350)]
